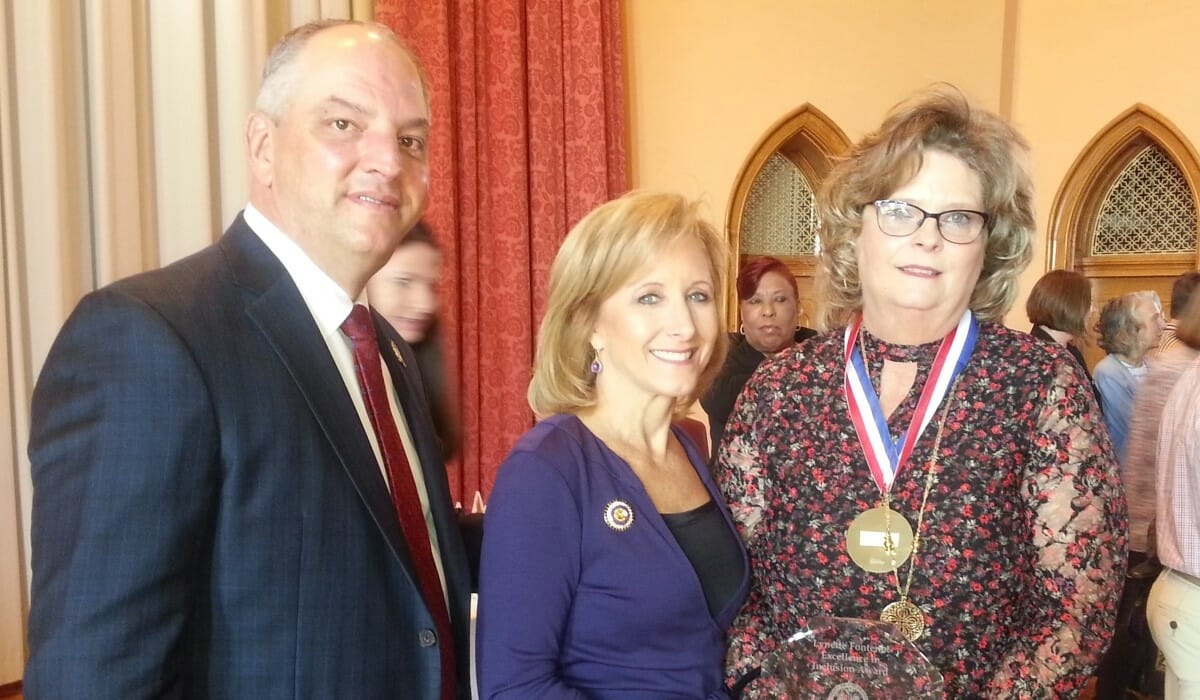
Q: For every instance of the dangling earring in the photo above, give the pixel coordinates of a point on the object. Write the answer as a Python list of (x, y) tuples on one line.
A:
[(596, 367)]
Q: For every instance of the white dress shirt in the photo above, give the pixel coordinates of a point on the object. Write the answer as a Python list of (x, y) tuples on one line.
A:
[(330, 305)]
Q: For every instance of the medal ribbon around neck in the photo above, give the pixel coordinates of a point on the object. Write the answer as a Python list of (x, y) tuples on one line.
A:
[(886, 456)]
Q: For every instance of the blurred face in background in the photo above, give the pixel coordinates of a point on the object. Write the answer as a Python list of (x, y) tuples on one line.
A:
[(1150, 323), (405, 289), (769, 315)]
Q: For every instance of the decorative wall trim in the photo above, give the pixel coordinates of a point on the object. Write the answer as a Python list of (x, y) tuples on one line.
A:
[(1078, 200)]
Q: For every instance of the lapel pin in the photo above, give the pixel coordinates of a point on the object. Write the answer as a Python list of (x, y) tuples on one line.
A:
[(396, 352), (618, 515)]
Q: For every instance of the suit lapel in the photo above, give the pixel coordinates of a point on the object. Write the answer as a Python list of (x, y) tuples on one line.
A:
[(402, 364), (400, 361), (281, 314)]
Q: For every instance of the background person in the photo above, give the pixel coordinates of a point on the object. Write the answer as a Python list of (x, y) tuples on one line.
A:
[(1181, 294), (611, 567), (1133, 653), (1058, 307), (1128, 327), (211, 516), (1173, 610), (1010, 484), (404, 291), (768, 299)]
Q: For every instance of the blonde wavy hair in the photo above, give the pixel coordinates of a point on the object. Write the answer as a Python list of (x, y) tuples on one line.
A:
[(940, 118), (603, 252)]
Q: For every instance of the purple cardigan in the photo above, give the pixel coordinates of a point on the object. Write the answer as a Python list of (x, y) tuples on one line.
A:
[(570, 607)]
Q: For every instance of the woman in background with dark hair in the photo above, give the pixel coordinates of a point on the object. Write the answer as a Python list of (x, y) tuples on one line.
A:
[(768, 300), (1058, 307), (405, 292)]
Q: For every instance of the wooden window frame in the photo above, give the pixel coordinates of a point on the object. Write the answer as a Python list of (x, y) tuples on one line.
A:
[(810, 140), (1078, 201)]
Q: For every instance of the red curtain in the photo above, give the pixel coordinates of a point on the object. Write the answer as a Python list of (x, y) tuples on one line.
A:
[(528, 135)]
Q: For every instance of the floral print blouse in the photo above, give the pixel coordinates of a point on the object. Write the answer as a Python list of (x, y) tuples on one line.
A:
[(1023, 544)]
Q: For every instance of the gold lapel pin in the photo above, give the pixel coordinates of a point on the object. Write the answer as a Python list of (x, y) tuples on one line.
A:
[(618, 515)]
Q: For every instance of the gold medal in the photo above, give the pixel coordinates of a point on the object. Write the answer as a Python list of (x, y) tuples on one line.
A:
[(879, 540), (907, 617)]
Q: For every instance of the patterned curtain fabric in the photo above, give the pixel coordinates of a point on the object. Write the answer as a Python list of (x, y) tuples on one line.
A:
[(528, 135)]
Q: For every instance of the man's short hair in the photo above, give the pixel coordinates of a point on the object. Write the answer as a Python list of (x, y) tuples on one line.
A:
[(280, 73)]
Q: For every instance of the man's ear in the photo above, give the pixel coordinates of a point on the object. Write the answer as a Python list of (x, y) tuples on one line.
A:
[(260, 147)]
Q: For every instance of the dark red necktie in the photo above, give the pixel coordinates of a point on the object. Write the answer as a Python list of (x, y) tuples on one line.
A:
[(361, 330)]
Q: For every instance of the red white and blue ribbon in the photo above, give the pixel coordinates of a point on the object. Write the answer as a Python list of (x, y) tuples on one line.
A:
[(886, 455)]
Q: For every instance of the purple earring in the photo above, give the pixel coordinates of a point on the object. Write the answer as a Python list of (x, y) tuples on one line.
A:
[(596, 367)]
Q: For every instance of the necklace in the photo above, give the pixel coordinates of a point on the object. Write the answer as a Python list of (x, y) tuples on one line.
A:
[(907, 616)]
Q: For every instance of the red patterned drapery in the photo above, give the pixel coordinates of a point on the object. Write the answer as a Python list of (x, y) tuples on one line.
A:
[(528, 135)]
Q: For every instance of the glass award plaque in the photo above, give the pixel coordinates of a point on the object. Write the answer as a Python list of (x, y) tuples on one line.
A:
[(839, 658)]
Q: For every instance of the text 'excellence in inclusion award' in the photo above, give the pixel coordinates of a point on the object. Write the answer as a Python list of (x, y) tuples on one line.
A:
[(847, 659)]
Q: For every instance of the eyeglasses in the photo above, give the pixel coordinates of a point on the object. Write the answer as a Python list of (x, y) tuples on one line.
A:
[(899, 219)]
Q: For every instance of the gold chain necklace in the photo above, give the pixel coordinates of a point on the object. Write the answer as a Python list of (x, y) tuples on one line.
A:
[(903, 613)]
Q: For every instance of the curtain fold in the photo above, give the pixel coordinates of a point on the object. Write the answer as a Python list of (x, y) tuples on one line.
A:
[(528, 136)]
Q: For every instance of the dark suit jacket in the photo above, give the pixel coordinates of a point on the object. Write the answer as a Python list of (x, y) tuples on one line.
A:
[(209, 520)]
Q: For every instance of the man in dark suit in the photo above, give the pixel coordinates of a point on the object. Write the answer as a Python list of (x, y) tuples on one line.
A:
[(212, 515)]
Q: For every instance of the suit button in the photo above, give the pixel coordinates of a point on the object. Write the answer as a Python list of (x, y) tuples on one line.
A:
[(426, 638)]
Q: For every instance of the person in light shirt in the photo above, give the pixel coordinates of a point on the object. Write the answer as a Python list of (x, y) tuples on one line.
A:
[(1173, 609), (1129, 326), (1181, 295)]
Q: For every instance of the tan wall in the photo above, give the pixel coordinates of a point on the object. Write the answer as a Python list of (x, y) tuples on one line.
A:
[(706, 81), (1080, 64)]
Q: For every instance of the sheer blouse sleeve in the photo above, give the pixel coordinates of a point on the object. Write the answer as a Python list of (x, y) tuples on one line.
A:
[(1077, 543)]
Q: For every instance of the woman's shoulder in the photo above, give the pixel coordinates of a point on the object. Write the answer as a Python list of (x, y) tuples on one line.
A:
[(557, 435), (1109, 367), (815, 350), (551, 456), (1028, 348), (742, 356)]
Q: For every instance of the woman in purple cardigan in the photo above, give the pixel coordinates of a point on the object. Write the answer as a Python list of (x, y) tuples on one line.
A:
[(611, 567)]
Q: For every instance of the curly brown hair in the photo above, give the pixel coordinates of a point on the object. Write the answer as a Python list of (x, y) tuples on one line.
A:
[(940, 118)]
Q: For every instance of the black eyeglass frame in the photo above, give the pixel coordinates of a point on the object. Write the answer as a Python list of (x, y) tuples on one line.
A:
[(935, 215)]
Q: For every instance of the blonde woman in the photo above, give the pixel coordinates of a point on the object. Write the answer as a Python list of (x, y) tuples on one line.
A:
[(611, 567)]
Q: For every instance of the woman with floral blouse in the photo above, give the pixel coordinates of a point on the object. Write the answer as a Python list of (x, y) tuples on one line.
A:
[(920, 463)]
